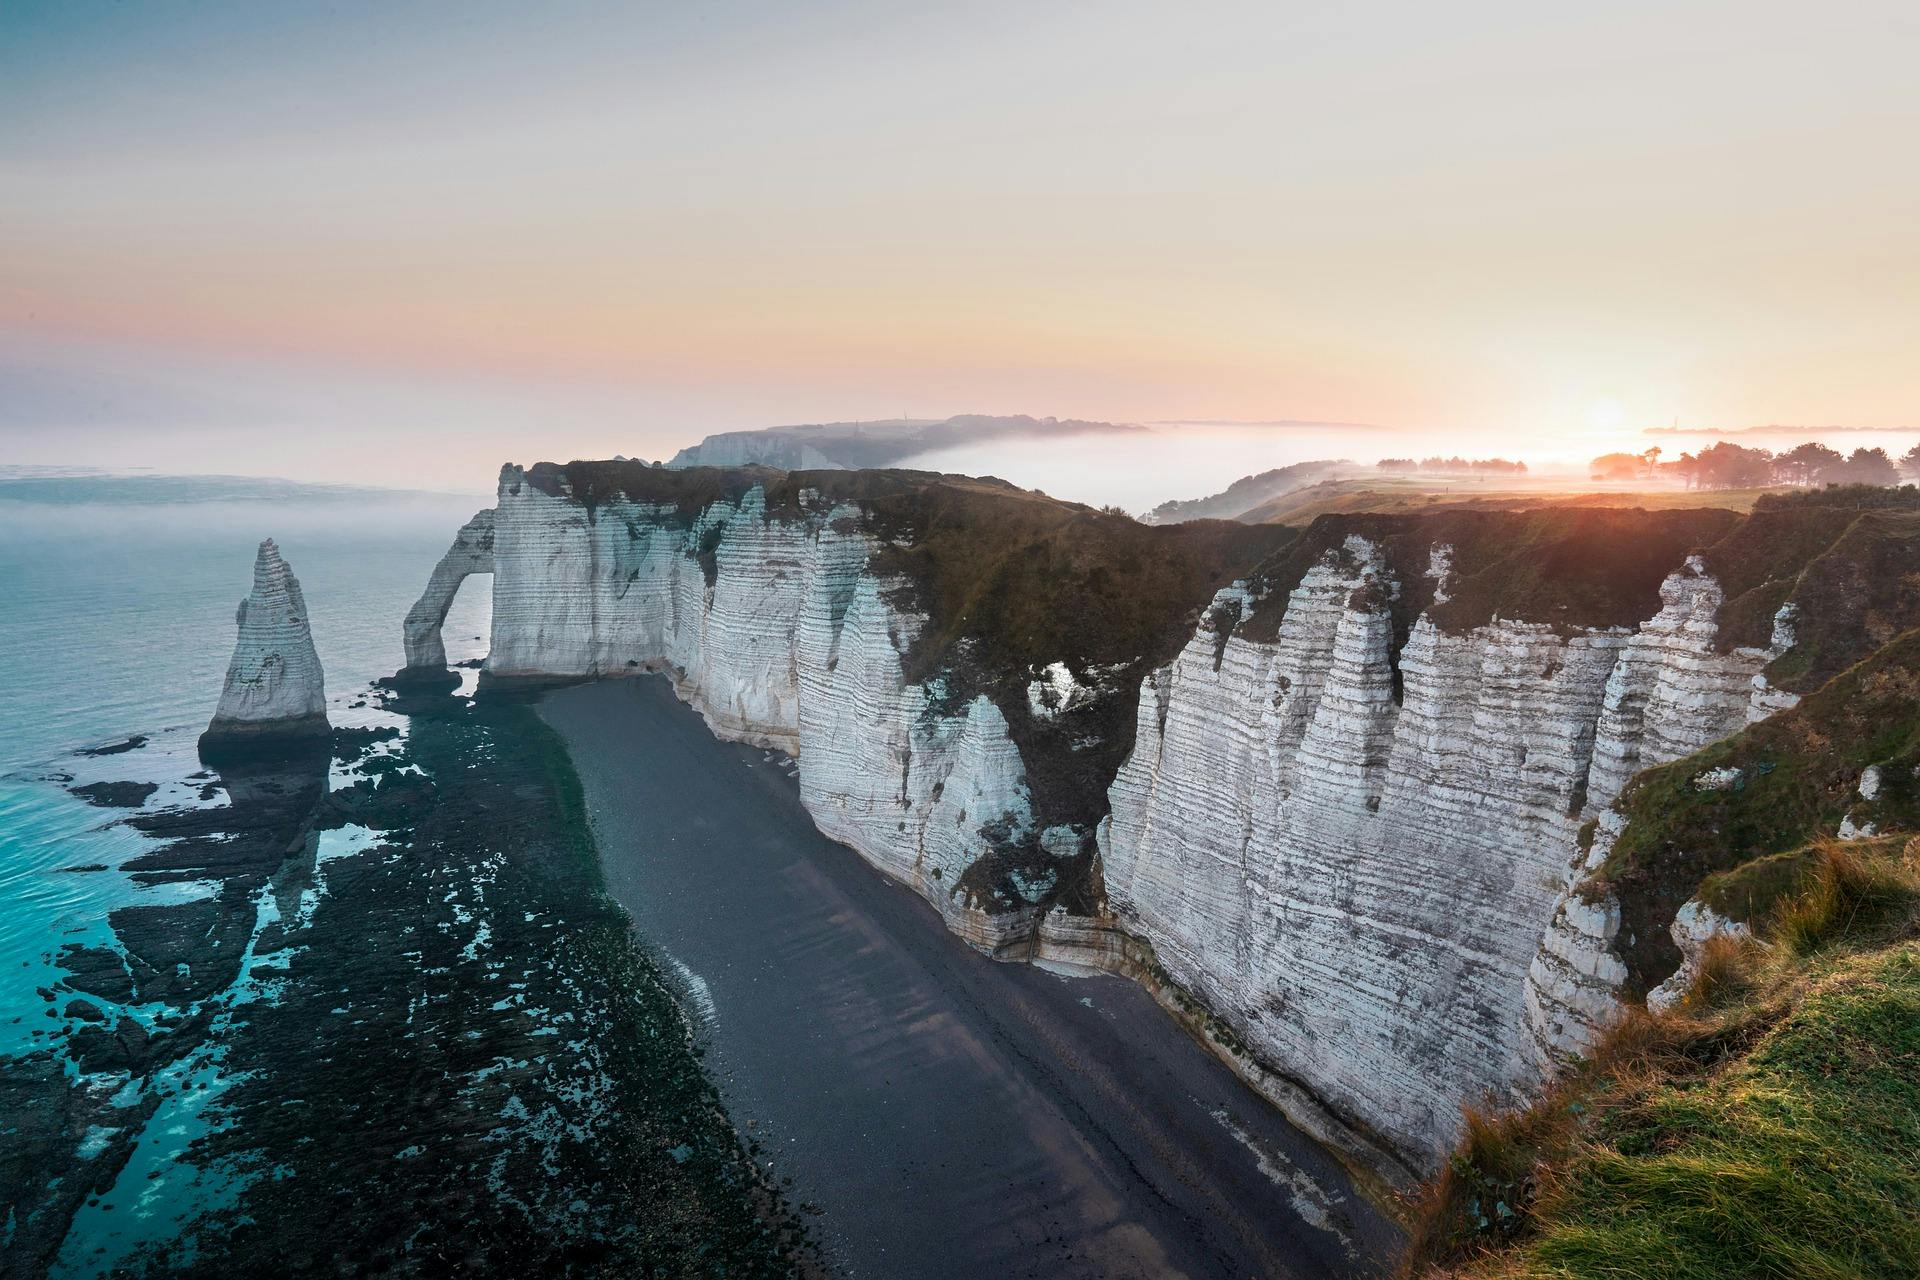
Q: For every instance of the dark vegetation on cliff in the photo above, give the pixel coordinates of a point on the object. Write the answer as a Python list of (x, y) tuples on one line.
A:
[(1768, 1126), (1848, 560), (1798, 775), (1013, 582), (691, 490), (1568, 568), (1429, 495)]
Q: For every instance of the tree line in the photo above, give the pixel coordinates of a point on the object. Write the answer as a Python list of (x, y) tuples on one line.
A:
[(1731, 466), (1456, 466)]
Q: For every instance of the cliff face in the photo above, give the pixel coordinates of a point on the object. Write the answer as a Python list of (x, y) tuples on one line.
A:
[(471, 553), (1338, 782), (1357, 882), (274, 690), (773, 630), (811, 614)]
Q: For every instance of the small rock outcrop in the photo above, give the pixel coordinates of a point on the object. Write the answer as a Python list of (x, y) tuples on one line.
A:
[(275, 692)]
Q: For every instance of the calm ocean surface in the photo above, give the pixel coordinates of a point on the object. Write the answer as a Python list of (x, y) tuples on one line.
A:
[(117, 619)]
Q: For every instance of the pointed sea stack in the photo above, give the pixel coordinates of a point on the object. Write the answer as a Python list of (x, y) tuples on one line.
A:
[(274, 700)]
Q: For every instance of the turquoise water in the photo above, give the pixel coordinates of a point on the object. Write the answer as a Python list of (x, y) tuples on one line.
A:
[(385, 1015), (116, 619)]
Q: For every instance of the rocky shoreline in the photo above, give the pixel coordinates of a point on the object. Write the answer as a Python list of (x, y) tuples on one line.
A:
[(408, 1005)]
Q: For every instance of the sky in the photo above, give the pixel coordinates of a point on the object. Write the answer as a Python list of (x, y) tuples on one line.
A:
[(402, 244)]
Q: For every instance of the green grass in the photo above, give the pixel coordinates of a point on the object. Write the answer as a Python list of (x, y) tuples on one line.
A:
[(1769, 1127), (1848, 892), (1800, 1158), (1800, 772)]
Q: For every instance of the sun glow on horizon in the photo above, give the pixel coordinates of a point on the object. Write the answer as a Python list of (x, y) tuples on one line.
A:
[(1607, 415), (662, 221)]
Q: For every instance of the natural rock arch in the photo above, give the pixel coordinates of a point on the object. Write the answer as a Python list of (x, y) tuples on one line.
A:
[(471, 553)]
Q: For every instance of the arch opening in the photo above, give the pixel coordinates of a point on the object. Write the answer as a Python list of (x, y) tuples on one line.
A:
[(421, 633)]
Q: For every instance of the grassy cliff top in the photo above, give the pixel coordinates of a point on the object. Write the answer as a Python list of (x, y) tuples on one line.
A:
[(1798, 775), (691, 490), (1421, 495), (1769, 1127), (1845, 559)]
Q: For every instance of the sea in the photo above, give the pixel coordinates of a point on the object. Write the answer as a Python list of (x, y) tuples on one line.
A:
[(117, 620), (117, 603)]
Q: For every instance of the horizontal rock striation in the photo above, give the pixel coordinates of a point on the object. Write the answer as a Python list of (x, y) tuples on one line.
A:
[(1348, 850), (1333, 794), (275, 692)]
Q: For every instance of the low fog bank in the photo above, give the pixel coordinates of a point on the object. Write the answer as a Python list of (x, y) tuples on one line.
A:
[(1189, 460), (46, 503), (1141, 470)]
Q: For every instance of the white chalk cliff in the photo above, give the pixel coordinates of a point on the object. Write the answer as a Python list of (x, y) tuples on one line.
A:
[(471, 553), (1359, 885), (774, 628), (274, 688), (1357, 857)]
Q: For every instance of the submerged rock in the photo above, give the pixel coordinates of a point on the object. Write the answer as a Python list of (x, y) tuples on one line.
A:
[(116, 795), (121, 747), (275, 694)]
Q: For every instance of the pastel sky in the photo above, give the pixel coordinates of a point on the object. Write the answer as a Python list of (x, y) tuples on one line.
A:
[(334, 240)]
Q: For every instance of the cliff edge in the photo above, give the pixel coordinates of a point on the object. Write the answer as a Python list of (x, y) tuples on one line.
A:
[(1328, 792)]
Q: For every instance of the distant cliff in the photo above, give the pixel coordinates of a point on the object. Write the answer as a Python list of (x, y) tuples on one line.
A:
[(852, 445), (1325, 790), (1246, 493)]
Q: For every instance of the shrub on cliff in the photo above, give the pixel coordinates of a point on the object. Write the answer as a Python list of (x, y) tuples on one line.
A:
[(1799, 772)]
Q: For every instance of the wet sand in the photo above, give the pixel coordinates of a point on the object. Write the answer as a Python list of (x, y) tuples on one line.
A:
[(939, 1113)]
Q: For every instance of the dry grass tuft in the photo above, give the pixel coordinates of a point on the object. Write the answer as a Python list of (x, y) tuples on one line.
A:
[(1855, 892), (1769, 1125)]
